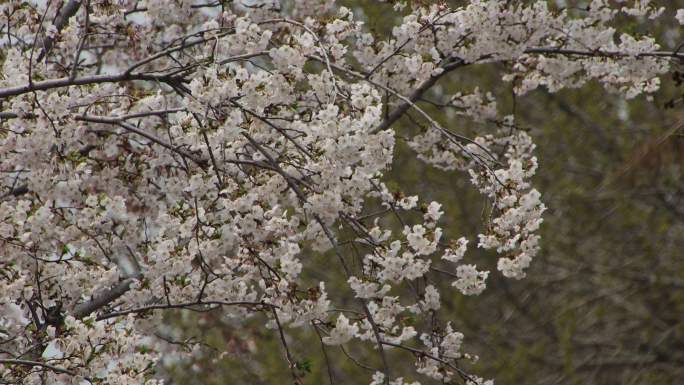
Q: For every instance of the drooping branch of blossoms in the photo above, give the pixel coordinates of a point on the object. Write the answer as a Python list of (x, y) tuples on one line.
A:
[(168, 155)]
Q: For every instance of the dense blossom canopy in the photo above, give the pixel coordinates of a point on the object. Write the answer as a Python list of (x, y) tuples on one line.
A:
[(169, 154)]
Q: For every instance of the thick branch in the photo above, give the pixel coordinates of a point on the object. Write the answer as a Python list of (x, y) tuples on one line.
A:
[(417, 94), (61, 21), (599, 53), (94, 79), (104, 298), (8, 115), (118, 121), (187, 305), (55, 369)]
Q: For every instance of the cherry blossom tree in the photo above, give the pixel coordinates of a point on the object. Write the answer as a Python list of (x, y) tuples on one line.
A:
[(176, 154)]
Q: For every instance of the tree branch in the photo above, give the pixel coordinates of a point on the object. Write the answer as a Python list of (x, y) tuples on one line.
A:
[(61, 21), (56, 369), (187, 305), (94, 79), (417, 94), (599, 53), (104, 298), (118, 121)]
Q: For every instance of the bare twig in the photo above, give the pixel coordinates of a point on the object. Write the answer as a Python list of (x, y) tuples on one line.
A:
[(288, 355)]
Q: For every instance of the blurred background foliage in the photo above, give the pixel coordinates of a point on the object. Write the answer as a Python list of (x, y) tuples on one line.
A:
[(603, 303)]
